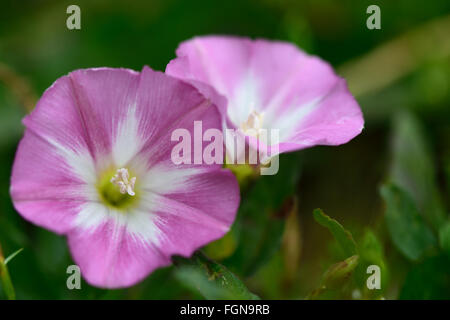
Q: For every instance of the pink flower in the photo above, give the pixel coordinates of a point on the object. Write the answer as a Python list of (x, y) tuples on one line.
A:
[(95, 165), (271, 85)]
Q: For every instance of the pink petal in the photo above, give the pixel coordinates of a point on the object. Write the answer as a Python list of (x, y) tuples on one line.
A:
[(169, 105), (299, 94), (110, 257), (199, 213)]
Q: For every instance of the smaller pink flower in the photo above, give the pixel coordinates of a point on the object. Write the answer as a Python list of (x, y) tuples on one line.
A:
[(271, 85), (95, 165)]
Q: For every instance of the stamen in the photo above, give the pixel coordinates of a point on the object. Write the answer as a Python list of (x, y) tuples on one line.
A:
[(122, 179), (253, 125)]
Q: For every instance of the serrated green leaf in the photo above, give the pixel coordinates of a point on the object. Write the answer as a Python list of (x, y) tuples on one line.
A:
[(413, 168), (409, 233), (211, 279), (342, 236), (444, 237)]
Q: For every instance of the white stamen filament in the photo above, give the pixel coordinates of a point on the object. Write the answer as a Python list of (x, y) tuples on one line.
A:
[(122, 179), (253, 125)]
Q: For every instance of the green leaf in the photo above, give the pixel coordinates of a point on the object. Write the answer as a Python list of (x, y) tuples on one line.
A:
[(409, 233), (262, 216), (335, 278), (211, 279), (371, 253), (12, 256), (444, 237), (428, 280), (342, 236), (413, 168), (340, 272)]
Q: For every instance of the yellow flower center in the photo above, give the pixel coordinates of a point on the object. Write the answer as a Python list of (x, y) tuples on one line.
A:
[(118, 189)]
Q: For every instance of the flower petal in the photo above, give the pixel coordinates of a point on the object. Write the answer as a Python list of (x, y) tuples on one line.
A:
[(110, 256), (107, 101), (298, 94), (169, 105), (197, 213)]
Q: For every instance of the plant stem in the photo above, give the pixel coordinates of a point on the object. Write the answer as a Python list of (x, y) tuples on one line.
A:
[(7, 285)]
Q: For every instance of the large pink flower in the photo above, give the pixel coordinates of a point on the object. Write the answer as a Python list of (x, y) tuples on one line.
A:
[(271, 85), (95, 165)]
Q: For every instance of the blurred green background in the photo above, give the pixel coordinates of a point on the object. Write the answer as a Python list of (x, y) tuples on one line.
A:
[(399, 74)]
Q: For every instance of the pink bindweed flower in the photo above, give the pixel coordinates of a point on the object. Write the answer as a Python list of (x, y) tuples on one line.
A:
[(95, 165), (270, 85)]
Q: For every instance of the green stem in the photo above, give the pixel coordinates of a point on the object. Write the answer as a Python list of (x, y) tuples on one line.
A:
[(7, 285)]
